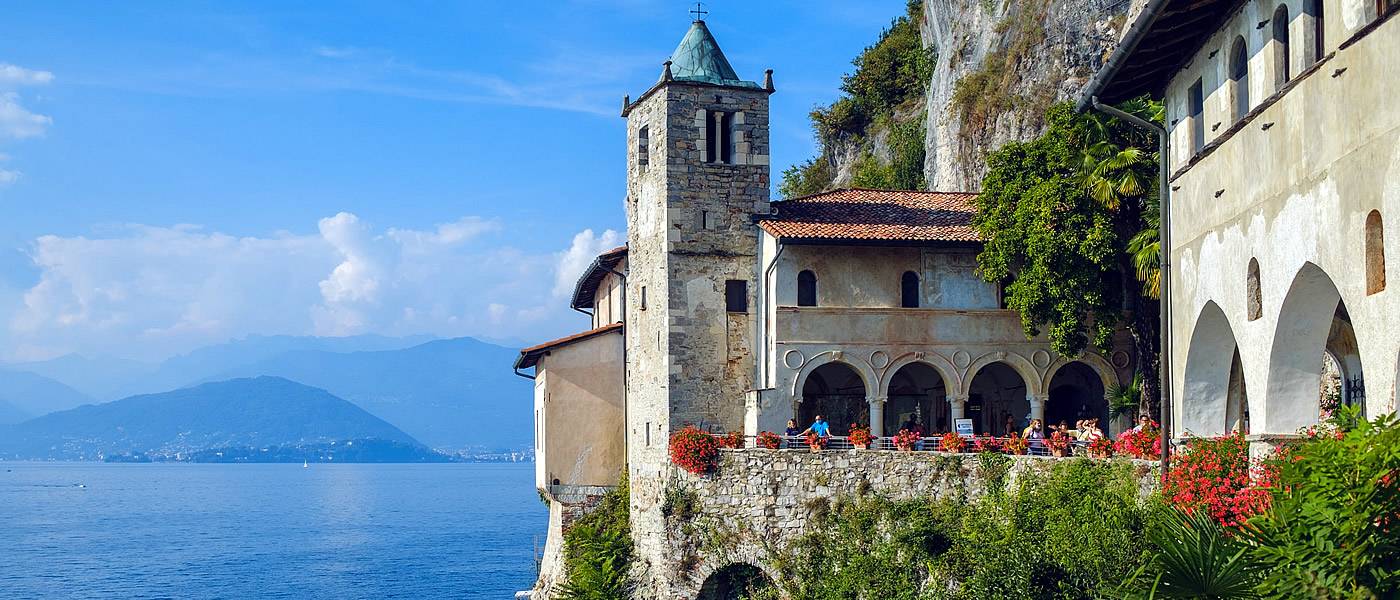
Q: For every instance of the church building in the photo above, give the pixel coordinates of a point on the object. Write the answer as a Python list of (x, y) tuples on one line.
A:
[(733, 312)]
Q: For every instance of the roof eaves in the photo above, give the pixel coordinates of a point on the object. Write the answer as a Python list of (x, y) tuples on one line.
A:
[(530, 357)]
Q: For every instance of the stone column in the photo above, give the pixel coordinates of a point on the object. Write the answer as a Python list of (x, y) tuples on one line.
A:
[(877, 415), (1037, 406), (957, 407)]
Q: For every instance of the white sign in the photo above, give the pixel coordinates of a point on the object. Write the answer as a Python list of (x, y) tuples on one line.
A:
[(963, 427)]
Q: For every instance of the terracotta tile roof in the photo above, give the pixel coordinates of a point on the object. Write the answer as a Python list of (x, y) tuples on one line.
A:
[(875, 215), (588, 283), (530, 356)]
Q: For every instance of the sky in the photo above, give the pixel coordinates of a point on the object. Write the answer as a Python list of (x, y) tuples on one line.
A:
[(174, 175)]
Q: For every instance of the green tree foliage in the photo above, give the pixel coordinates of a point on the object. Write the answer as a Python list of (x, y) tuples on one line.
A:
[(890, 74), (1193, 556), (1067, 218), (1333, 530), (1072, 533), (598, 551)]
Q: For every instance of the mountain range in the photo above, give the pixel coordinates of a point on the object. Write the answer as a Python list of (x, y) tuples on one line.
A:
[(453, 394), (252, 412)]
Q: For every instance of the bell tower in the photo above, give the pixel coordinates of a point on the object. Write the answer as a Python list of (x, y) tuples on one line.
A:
[(697, 173)]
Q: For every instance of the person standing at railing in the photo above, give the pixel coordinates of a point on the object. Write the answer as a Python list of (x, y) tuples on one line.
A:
[(1009, 428), (792, 433), (1091, 432), (1035, 434), (819, 427)]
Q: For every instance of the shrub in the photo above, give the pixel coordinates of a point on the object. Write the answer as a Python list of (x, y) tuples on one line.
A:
[(1101, 448), (1058, 441), (905, 439), (811, 176), (1333, 526), (1015, 444), (952, 442), (694, 450), (733, 439), (1193, 556), (598, 550), (986, 443), (1144, 443), (860, 436), (1215, 476), (769, 440)]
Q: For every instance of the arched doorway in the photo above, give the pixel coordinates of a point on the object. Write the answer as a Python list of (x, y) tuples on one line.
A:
[(917, 391), (997, 391), (1076, 392), (836, 391), (1213, 401), (738, 582), (1342, 383), (1313, 327)]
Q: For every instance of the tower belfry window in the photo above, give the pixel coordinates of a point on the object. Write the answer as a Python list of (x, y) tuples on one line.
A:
[(643, 146), (719, 137)]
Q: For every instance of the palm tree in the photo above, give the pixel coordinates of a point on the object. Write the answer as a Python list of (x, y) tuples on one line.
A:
[(1194, 558)]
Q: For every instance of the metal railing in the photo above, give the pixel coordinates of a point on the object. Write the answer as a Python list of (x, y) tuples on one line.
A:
[(1034, 447)]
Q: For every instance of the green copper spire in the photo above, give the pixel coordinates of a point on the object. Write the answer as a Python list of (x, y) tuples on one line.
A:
[(698, 58)]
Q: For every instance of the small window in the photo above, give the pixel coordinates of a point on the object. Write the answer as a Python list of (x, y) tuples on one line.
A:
[(1196, 106), (648, 434), (1312, 9), (806, 288), (643, 146), (736, 295), (1255, 303), (1239, 78), (1375, 253), (909, 290), (719, 137), (1281, 71), (644, 297)]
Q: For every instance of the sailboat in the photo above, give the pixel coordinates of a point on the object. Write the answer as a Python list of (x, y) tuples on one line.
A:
[(305, 465)]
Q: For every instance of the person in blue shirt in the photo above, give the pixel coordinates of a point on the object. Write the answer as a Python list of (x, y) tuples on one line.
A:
[(819, 427)]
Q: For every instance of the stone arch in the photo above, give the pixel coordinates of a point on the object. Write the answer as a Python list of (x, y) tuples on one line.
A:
[(1210, 358), (916, 389), (939, 363), (1076, 391), (1308, 326), (839, 391), (1100, 365), (1017, 362), (735, 581), (999, 385), (1375, 253), (832, 356)]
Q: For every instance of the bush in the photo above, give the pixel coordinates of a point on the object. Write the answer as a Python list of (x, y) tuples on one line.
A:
[(769, 440), (598, 550), (1333, 527), (1214, 476), (694, 450), (812, 176)]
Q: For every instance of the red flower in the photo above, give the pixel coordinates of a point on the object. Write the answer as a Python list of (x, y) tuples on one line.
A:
[(769, 440), (952, 442), (986, 443), (905, 439), (1015, 444), (1217, 475), (733, 439), (694, 450), (860, 436)]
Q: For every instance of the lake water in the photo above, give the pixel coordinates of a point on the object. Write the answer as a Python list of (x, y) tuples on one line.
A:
[(268, 531)]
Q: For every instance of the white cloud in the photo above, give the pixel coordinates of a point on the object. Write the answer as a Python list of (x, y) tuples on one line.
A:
[(17, 122), (147, 292), (7, 177), (15, 76), (571, 263)]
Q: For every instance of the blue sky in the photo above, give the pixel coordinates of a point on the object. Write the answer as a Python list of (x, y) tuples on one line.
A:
[(178, 174)]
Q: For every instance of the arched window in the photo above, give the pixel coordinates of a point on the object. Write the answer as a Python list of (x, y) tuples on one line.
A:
[(1239, 78), (1312, 10), (1255, 301), (1375, 253), (1281, 71), (909, 290), (806, 288)]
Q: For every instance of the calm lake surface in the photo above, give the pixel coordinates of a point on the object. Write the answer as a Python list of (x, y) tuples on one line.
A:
[(268, 531)]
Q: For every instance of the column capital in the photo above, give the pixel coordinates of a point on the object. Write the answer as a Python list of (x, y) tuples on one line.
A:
[(877, 399), (957, 398)]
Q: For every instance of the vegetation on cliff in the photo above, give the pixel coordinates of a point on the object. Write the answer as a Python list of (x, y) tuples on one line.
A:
[(1075, 532), (598, 550), (882, 96), (1066, 218)]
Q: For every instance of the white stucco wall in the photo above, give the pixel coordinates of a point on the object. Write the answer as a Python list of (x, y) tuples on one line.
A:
[(1292, 188)]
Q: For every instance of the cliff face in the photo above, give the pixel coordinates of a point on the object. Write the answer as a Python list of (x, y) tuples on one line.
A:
[(998, 65), (1001, 63)]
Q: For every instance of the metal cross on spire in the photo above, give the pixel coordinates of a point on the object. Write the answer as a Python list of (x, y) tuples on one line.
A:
[(699, 12)]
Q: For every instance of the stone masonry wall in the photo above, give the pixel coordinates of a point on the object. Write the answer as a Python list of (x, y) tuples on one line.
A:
[(761, 499)]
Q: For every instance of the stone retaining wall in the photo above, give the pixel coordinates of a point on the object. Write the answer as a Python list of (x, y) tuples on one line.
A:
[(758, 500)]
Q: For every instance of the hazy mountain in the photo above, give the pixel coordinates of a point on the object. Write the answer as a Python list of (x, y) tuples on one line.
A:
[(257, 412), (10, 413), (451, 394), (107, 378), (29, 394)]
